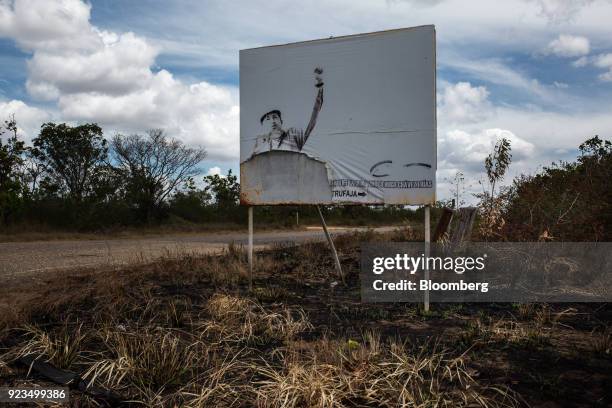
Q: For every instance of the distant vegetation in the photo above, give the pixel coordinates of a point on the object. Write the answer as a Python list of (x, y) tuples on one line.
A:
[(567, 201), (72, 178)]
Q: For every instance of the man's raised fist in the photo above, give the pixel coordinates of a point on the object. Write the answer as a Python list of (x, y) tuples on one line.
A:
[(318, 72)]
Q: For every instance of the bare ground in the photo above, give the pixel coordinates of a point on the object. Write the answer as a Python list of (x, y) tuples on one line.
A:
[(18, 259)]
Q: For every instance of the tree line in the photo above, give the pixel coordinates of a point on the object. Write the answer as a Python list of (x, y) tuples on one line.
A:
[(73, 177), (565, 201)]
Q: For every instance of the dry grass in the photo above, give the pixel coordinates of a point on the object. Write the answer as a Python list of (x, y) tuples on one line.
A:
[(62, 347), (5, 369), (146, 357), (375, 373), (246, 322), (510, 332), (188, 333), (237, 350), (601, 341), (141, 354), (526, 311)]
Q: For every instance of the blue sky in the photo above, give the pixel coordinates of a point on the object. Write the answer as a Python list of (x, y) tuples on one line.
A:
[(536, 71), (13, 73)]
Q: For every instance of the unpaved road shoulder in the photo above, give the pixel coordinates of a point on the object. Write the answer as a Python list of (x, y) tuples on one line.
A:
[(18, 258)]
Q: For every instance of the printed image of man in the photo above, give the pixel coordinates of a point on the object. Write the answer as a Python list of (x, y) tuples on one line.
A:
[(291, 139)]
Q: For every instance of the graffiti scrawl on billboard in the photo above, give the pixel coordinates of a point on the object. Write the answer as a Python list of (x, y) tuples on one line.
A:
[(347, 120)]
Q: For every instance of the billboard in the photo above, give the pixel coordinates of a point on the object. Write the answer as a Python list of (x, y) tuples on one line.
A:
[(345, 120)]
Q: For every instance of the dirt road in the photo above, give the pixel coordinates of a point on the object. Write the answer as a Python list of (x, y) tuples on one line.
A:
[(18, 258)]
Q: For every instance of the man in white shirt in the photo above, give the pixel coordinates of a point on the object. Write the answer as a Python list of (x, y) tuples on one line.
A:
[(291, 139)]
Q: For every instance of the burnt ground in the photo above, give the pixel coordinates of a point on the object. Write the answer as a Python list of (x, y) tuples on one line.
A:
[(549, 355)]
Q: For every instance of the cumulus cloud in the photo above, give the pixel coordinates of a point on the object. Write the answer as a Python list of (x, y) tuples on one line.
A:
[(468, 132), (467, 151), (569, 46), (463, 102), (119, 65), (201, 113), (537, 137), (50, 24), (28, 118), (464, 151), (107, 77)]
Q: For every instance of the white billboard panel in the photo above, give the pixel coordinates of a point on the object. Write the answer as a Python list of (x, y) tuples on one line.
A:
[(346, 120)]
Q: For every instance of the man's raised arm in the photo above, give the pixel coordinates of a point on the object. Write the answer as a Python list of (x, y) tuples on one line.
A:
[(315, 109)]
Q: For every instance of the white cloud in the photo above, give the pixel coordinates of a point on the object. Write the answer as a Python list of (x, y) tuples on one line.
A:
[(549, 131), (467, 151), (468, 130), (208, 32), (215, 170), (201, 113), (50, 24), (497, 72), (604, 61), (581, 62), (463, 151), (537, 137), (28, 118), (92, 74), (600, 61), (107, 77), (569, 46), (561, 11), (463, 102), (115, 67), (606, 76)]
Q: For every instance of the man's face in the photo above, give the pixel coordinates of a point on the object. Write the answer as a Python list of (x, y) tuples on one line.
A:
[(273, 122)]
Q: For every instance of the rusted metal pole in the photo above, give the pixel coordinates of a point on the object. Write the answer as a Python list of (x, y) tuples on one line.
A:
[(427, 244), (331, 245), (250, 254)]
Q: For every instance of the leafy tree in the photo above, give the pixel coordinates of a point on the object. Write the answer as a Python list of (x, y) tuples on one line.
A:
[(496, 165), (154, 166), (34, 175), (71, 157), (567, 201), (595, 149), (225, 190), (191, 203), (11, 177)]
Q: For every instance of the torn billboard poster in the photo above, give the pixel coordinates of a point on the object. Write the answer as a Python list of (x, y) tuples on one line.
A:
[(345, 120)]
